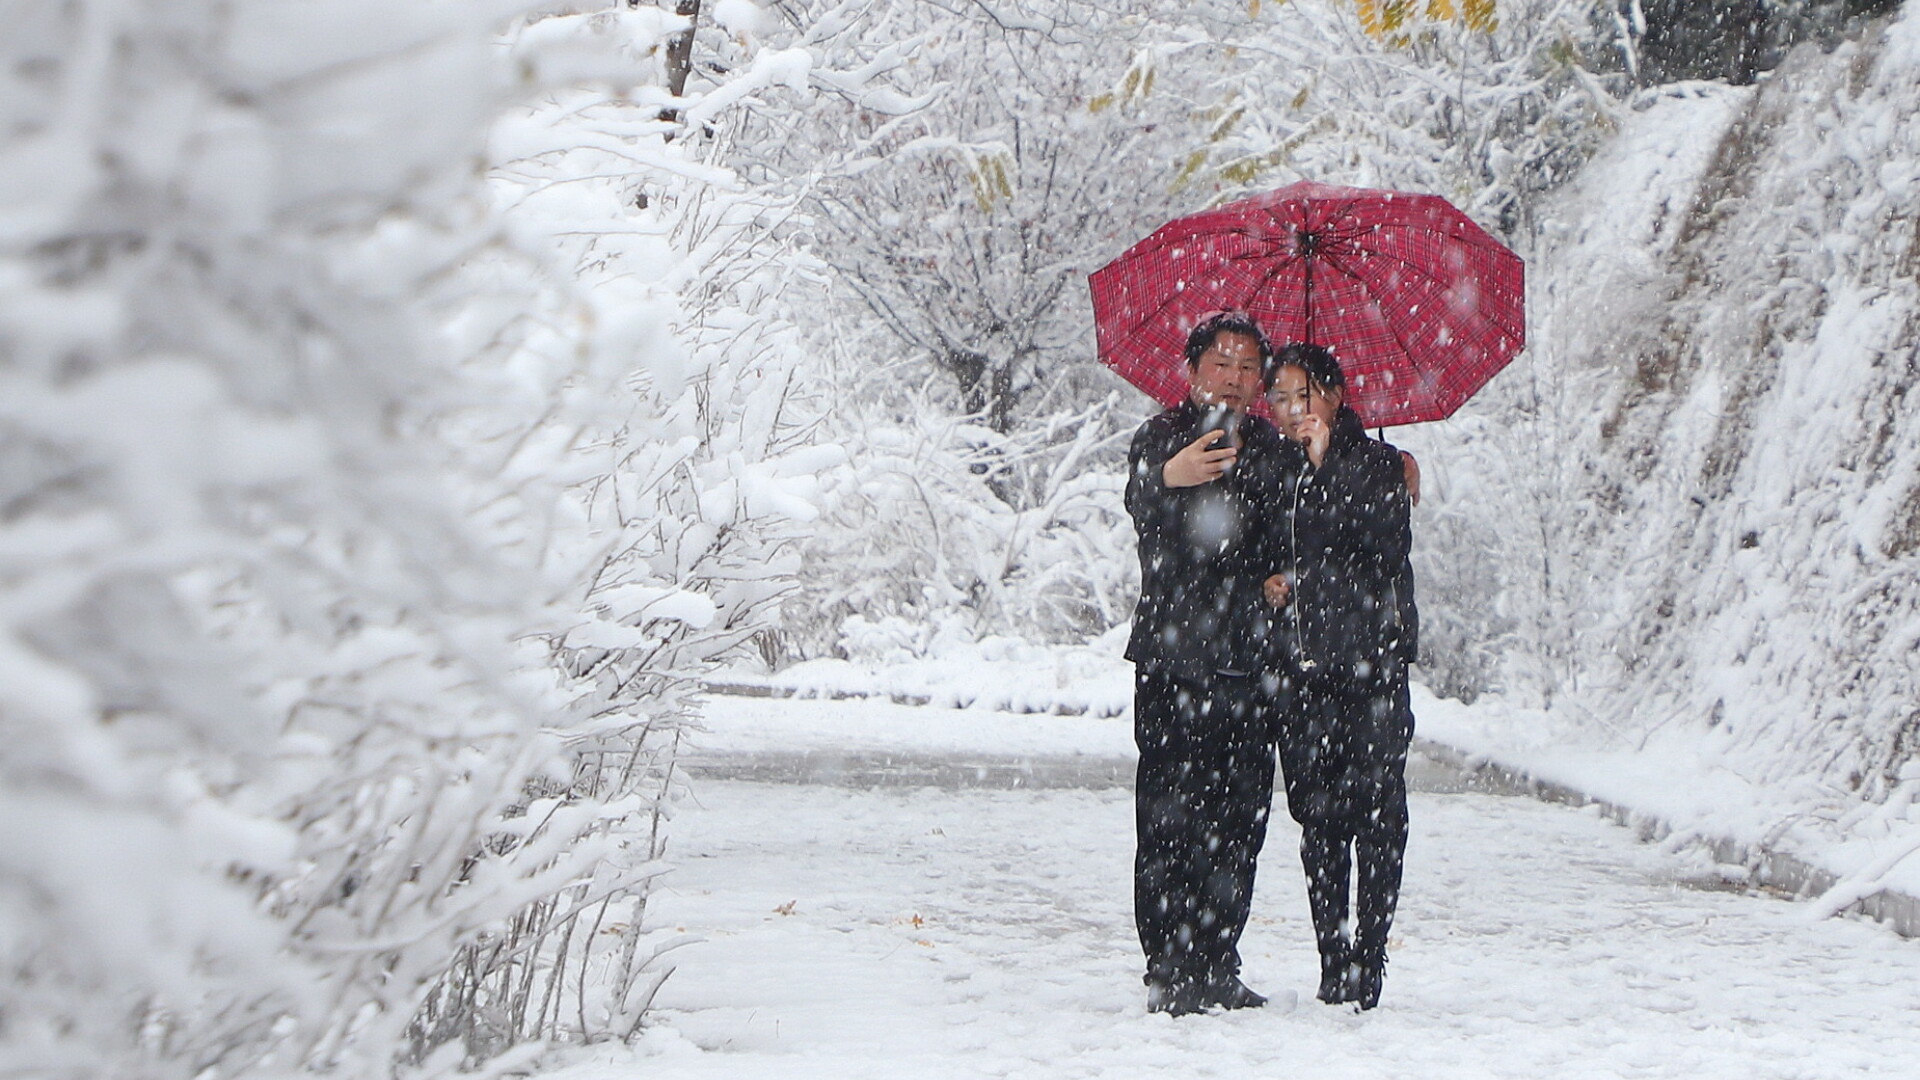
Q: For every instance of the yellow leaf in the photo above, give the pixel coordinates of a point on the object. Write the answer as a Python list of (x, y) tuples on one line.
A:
[(1226, 124), (1379, 18), (1099, 103), (1194, 161), (1244, 171), (1392, 20), (1370, 18), (1478, 15), (982, 186)]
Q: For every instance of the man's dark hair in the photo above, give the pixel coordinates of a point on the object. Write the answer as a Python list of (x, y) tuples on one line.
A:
[(1323, 371), (1201, 337)]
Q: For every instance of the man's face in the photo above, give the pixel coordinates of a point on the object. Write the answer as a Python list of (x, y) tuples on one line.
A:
[(1228, 373)]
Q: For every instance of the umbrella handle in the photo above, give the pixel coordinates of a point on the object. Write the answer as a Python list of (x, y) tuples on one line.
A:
[(1308, 248)]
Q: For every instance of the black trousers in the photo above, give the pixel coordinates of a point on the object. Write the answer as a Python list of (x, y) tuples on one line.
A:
[(1343, 756), (1201, 800)]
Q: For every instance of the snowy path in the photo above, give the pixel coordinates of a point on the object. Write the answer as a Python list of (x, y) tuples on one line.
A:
[(918, 932)]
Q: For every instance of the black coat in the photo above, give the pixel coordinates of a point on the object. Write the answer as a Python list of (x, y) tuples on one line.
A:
[(1342, 534), (1201, 558)]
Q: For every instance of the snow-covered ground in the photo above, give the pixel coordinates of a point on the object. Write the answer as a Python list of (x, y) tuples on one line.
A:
[(919, 931), (1079, 695)]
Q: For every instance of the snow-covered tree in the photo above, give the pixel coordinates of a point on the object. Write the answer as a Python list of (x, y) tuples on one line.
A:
[(1486, 105), (970, 230)]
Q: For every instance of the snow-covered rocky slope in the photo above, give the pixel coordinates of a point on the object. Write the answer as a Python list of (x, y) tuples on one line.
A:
[(1688, 520)]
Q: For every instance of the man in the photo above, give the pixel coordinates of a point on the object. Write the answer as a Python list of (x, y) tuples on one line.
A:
[(1205, 781)]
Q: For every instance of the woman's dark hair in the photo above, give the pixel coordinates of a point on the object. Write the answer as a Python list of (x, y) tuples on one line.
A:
[(1323, 371), (1201, 337)]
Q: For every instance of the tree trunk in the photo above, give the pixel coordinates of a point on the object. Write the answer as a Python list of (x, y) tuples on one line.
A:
[(680, 49), (1746, 22), (986, 389), (679, 52)]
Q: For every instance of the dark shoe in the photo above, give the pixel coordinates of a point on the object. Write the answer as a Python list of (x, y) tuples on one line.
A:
[(1175, 998), (1362, 982), (1333, 972), (1230, 993)]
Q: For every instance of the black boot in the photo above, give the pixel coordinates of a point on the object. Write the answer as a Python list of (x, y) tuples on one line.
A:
[(1335, 956), (1228, 992), (1326, 854), (1361, 984), (1175, 997)]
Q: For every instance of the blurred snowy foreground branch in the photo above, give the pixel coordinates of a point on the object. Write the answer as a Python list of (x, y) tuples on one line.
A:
[(363, 520)]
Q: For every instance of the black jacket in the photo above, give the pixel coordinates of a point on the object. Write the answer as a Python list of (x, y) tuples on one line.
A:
[(1201, 561), (1342, 534)]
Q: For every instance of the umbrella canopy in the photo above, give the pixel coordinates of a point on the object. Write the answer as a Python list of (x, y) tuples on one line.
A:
[(1419, 304)]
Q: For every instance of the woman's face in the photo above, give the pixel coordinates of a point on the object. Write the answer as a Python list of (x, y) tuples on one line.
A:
[(1294, 397)]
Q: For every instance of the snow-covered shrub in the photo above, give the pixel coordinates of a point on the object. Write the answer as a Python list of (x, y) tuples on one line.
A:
[(353, 553), (667, 343), (912, 528), (256, 659)]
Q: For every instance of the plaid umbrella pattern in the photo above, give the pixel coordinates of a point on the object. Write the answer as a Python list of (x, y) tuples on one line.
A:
[(1421, 306)]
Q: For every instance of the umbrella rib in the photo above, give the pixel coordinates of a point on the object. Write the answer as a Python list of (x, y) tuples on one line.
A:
[(1154, 314), (1388, 323), (1156, 243), (1272, 274), (1169, 301), (1429, 276)]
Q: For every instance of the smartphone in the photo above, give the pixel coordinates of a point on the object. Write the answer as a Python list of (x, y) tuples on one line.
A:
[(1226, 421)]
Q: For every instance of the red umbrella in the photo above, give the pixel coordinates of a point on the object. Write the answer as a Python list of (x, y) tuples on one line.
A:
[(1420, 305)]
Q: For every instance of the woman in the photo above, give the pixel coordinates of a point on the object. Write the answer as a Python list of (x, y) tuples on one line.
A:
[(1338, 538)]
